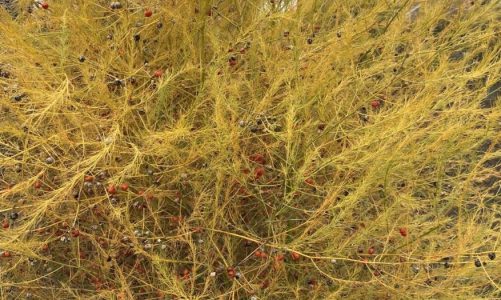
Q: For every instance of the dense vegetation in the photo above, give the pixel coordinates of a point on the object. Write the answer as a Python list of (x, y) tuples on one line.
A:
[(250, 149)]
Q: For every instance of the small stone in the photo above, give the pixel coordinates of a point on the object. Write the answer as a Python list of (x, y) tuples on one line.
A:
[(415, 268), (163, 247), (18, 98), (212, 274), (333, 261), (116, 5), (50, 160), (14, 215), (492, 256)]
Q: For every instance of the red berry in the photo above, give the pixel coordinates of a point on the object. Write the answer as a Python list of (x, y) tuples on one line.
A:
[(258, 172), (158, 73), (88, 178), (112, 189), (5, 223), (124, 187), (279, 258), (403, 231), (375, 104), (309, 181), (257, 158), (371, 250), (257, 253), (295, 256), (45, 5), (148, 13), (45, 247), (231, 272), (75, 233), (38, 184), (6, 254)]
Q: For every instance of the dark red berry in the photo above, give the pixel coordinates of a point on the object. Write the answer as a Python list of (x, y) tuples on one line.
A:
[(148, 13), (75, 233), (403, 231), (375, 104), (38, 184), (259, 172)]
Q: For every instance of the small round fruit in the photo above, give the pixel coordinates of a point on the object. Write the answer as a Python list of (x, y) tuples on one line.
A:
[(403, 231), (231, 272), (124, 187), (148, 13), (257, 158), (309, 181), (158, 73), (371, 250), (5, 224), (111, 189), (375, 104), (38, 184), (89, 178), (295, 256), (492, 256), (81, 59), (259, 172), (478, 263), (45, 5), (6, 254), (75, 233)]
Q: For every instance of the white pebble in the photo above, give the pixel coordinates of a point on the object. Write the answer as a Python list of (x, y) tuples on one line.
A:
[(212, 274)]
